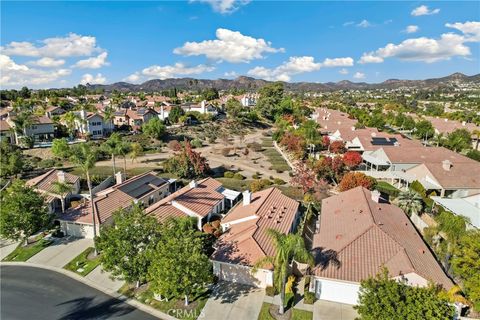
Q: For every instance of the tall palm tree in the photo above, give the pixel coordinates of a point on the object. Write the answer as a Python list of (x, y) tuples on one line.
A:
[(123, 150), (112, 146), (70, 119), (84, 156), (62, 189), (410, 202), (108, 114), (288, 247)]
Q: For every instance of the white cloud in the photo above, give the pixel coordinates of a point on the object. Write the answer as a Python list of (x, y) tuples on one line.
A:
[(343, 71), (423, 10), (172, 71), (359, 75), (47, 62), (93, 62), (229, 46), (231, 74), (88, 78), (338, 62), (364, 24), (370, 58), (411, 29), (348, 23), (133, 78), (16, 75), (69, 46), (224, 6), (471, 29)]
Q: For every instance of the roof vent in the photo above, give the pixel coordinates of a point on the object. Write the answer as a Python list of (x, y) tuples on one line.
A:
[(247, 197), (193, 184), (447, 165), (375, 195)]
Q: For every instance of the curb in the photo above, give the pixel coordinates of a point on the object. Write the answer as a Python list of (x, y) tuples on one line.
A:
[(114, 294)]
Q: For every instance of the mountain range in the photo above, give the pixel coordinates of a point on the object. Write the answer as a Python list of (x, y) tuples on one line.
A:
[(252, 84)]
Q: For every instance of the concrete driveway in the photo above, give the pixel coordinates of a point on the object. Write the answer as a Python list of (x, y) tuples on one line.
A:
[(6, 247), (327, 310), (234, 301), (61, 252)]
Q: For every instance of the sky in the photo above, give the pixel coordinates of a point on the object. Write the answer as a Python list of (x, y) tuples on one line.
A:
[(63, 44)]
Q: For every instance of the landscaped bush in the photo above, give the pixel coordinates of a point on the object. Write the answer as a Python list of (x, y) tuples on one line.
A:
[(289, 284), (228, 174), (261, 184), (256, 176), (387, 188), (309, 297), (417, 187), (238, 176), (196, 143), (270, 291), (278, 181)]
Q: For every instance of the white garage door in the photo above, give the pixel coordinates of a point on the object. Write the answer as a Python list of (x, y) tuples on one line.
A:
[(337, 291), (77, 230), (241, 274)]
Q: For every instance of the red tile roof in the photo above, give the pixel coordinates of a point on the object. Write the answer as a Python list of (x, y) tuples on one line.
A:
[(45, 181), (359, 236)]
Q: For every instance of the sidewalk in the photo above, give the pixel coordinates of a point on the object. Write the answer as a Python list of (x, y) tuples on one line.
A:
[(6, 247), (61, 252)]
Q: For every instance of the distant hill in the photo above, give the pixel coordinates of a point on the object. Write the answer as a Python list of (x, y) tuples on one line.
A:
[(251, 84)]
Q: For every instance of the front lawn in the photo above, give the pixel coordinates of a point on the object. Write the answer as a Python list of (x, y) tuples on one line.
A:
[(22, 253), (297, 314), (144, 295), (83, 264)]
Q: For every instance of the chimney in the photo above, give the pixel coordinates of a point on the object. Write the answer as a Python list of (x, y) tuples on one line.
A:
[(376, 196), (193, 184), (447, 165), (83, 114), (119, 178), (61, 176), (353, 128), (247, 197)]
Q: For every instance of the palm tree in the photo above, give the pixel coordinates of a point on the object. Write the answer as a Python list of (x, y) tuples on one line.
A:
[(476, 133), (410, 202), (288, 247), (112, 146), (136, 151), (108, 114), (123, 150), (439, 138), (84, 156), (70, 119), (62, 189)]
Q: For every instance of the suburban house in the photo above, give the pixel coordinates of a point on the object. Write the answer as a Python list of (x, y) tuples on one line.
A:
[(54, 111), (468, 207), (446, 126), (202, 199), (245, 239), (90, 124), (163, 110), (133, 118), (6, 132), (45, 184), (249, 100), (204, 107), (144, 189), (357, 236), (42, 130)]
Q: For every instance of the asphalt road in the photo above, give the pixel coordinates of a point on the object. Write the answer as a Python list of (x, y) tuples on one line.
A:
[(28, 293)]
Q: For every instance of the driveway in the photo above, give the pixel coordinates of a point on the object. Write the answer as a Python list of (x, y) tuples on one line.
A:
[(61, 252), (327, 310), (6, 247), (234, 301)]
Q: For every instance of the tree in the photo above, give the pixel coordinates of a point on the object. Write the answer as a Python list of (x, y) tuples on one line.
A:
[(337, 147), (154, 128), (123, 150), (474, 154), (62, 189), (127, 245), (112, 146), (70, 119), (288, 247), (11, 160), (175, 113), (410, 202), (234, 110), (23, 211), (384, 298), (270, 97), (424, 129), (136, 150), (180, 265), (458, 140), (352, 159), (466, 264), (84, 156), (60, 148), (354, 179), (294, 144), (187, 163)]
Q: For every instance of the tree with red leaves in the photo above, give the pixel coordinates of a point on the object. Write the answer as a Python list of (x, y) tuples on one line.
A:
[(354, 179), (352, 159), (294, 144), (305, 178), (187, 163), (325, 142), (337, 147)]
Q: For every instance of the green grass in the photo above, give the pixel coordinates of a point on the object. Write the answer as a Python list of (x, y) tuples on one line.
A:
[(22, 253), (387, 188), (297, 314), (105, 171), (234, 184), (276, 160), (82, 261), (192, 311)]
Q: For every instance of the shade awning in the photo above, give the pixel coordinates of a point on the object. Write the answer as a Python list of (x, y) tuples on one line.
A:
[(460, 207)]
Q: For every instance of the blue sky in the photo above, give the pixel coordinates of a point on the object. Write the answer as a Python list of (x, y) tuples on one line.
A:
[(56, 44)]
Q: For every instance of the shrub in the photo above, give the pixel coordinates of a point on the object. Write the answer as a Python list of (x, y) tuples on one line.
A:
[(238, 176), (216, 224), (278, 181), (270, 291), (260, 184), (228, 174), (255, 176), (309, 297), (354, 179), (255, 146), (175, 145), (289, 284), (196, 143), (418, 188)]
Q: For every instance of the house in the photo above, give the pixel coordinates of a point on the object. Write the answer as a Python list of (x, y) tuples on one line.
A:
[(204, 108), (41, 130), (54, 111), (90, 124), (202, 199), (245, 239), (133, 118), (45, 184), (6, 132), (357, 236), (468, 207), (163, 110), (249, 100), (144, 189), (446, 126)]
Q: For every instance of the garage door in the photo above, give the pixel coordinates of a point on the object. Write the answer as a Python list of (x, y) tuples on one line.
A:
[(78, 230), (241, 274), (337, 291)]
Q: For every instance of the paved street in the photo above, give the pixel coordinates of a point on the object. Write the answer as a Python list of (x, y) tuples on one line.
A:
[(61, 252), (34, 293), (234, 301)]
